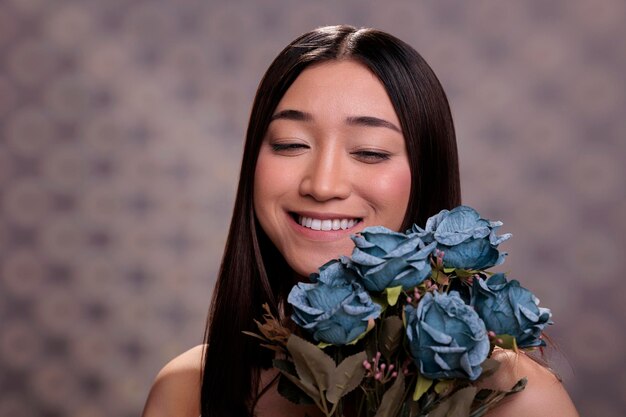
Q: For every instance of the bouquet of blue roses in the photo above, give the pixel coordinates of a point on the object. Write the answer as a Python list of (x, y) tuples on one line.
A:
[(407, 324)]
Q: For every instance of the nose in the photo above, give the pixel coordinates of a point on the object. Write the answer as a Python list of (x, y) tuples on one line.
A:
[(326, 177)]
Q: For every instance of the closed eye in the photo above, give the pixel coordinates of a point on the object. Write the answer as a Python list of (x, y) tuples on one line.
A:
[(371, 157), (288, 148)]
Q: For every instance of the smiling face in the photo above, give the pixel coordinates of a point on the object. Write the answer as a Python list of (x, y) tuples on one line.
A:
[(333, 161)]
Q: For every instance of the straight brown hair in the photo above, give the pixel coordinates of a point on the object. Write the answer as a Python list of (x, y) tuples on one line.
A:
[(252, 271)]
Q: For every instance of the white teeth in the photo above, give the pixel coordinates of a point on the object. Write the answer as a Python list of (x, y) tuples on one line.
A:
[(326, 225)]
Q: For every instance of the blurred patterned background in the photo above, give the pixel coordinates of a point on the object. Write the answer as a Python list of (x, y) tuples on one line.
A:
[(121, 126)]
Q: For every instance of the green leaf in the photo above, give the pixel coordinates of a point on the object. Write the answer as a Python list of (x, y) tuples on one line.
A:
[(508, 342), (464, 273), (487, 399), (312, 364), (393, 293), (392, 399), (444, 386), (391, 336), (441, 278), (381, 300), (346, 377), (285, 366), (458, 405), (448, 270), (412, 409), (288, 370), (371, 345), (519, 386), (292, 392), (258, 336), (421, 386)]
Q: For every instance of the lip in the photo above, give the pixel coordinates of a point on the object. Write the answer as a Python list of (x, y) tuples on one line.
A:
[(322, 235)]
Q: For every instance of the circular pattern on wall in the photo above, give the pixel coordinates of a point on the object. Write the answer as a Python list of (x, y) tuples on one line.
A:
[(121, 130)]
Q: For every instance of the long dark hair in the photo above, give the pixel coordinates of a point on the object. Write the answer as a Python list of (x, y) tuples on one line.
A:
[(252, 270)]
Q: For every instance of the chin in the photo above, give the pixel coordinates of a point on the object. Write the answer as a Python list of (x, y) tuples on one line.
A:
[(304, 271), (304, 263), (308, 268)]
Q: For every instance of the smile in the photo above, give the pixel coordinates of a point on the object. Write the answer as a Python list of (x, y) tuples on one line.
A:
[(326, 224)]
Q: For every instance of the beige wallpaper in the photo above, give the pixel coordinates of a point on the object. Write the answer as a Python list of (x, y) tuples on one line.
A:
[(121, 126)]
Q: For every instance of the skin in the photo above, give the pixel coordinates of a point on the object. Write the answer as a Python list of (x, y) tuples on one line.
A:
[(176, 390), (543, 396), (322, 159), (333, 151)]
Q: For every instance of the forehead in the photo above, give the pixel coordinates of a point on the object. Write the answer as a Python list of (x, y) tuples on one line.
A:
[(338, 89)]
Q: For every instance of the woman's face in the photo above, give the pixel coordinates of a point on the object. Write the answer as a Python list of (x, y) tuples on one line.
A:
[(333, 161)]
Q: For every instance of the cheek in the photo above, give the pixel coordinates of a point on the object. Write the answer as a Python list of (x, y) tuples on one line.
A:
[(264, 185), (270, 184), (389, 194)]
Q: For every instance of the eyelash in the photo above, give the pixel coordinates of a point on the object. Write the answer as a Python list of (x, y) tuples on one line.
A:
[(278, 147), (367, 156), (372, 156)]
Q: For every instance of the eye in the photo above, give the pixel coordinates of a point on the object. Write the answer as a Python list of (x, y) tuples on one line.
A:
[(289, 148), (371, 157)]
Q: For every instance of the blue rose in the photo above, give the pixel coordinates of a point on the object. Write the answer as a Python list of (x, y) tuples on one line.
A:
[(508, 308), (334, 308), (446, 337), (384, 258), (467, 240)]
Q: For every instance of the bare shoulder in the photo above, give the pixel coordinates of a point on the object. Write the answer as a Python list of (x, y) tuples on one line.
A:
[(176, 389), (544, 394)]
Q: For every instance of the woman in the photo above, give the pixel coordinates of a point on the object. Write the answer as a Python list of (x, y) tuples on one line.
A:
[(349, 128)]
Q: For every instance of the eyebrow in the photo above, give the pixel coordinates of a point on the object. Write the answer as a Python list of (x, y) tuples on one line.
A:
[(296, 115), (370, 121)]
